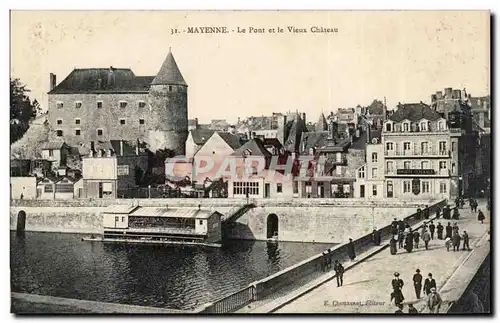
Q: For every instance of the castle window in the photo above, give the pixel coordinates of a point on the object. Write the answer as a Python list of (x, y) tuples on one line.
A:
[(122, 121), (78, 105), (141, 121), (99, 132), (77, 121), (59, 105), (59, 121), (142, 104), (77, 132), (123, 104), (170, 88), (99, 104), (59, 133)]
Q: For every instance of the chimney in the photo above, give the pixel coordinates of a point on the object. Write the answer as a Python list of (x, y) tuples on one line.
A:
[(456, 94), (121, 147), (433, 98), (111, 76), (52, 81), (92, 146), (448, 92), (304, 118), (368, 135), (99, 84), (384, 111), (439, 95), (137, 147)]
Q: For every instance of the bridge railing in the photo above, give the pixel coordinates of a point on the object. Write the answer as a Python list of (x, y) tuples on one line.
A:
[(231, 302)]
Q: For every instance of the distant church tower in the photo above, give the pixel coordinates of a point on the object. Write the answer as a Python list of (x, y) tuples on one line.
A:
[(168, 100)]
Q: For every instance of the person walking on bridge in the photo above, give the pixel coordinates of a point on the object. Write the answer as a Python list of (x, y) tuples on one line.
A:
[(426, 237), (434, 301), (401, 239), (432, 227), (409, 241), (376, 238), (455, 239), (339, 271), (393, 245), (417, 283), (350, 250), (440, 229), (429, 284), (397, 294), (480, 216), (449, 230), (416, 238), (466, 241)]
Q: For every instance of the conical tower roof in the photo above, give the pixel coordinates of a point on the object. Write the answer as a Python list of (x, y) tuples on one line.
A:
[(322, 125), (169, 73)]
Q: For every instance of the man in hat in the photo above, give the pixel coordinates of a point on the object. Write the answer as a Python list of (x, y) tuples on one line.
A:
[(466, 241), (426, 237), (434, 301), (440, 229), (432, 227), (417, 283), (429, 284), (339, 271)]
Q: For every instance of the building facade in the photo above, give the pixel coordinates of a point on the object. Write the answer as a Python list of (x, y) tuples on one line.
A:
[(107, 104), (418, 145)]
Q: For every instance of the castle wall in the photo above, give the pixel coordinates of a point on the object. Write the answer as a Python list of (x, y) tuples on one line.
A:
[(106, 118)]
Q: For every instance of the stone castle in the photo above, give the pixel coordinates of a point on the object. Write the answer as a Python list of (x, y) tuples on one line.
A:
[(102, 104)]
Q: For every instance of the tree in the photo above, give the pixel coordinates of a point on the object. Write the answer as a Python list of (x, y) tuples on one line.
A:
[(22, 110)]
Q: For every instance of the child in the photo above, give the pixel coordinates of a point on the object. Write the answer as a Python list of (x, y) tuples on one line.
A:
[(447, 243)]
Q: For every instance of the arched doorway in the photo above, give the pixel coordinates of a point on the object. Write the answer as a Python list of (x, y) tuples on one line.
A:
[(272, 225), (21, 221)]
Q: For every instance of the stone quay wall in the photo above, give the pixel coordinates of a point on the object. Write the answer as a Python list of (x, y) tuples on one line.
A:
[(325, 220)]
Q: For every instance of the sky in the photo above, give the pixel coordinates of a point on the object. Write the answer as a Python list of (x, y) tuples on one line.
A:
[(402, 56)]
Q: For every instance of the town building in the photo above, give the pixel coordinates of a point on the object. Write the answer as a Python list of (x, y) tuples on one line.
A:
[(419, 150), (113, 169), (56, 152), (336, 155), (102, 104), (370, 176)]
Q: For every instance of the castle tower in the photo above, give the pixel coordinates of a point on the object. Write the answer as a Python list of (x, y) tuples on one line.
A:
[(168, 101)]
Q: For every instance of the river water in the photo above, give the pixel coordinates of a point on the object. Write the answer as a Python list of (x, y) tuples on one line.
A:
[(162, 276)]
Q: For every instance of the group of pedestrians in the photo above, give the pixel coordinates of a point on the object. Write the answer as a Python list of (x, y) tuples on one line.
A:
[(434, 300)]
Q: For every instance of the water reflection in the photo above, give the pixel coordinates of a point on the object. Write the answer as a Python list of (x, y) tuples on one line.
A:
[(166, 276)]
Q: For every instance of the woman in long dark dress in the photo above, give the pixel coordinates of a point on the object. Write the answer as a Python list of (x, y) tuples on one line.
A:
[(409, 242), (480, 216), (393, 246)]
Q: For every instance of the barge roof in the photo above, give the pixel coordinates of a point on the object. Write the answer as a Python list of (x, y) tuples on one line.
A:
[(120, 209), (173, 213)]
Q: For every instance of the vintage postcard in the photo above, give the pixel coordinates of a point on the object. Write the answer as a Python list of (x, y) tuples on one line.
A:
[(216, 162)]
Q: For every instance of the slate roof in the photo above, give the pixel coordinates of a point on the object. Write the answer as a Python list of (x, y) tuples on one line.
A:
[(313, 140), (414, 112), (112, 80), (256, 148), (321, 125), (169, 73), (232, 140), (200, 136)]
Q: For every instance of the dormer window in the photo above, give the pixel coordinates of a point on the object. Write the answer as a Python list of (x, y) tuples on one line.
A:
[(388, 127), (406, 126), (424, 126), (441, 125)]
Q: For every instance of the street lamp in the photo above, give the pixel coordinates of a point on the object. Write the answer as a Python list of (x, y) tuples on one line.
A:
[(149, 191)]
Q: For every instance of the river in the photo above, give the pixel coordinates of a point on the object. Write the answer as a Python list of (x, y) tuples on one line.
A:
[(62, 265)]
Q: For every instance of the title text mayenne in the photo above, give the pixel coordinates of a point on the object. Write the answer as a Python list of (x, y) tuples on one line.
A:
[(259, 30)]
